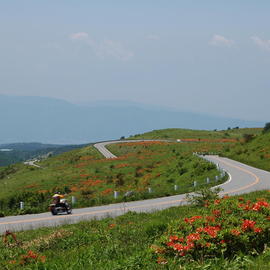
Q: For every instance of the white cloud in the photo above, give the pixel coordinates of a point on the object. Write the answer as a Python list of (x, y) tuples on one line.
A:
[(218, 40), (105, 48), (263, 44), (79, 36), (153, 37)]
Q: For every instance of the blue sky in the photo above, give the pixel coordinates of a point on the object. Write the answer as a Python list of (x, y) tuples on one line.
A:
[(201, 56)]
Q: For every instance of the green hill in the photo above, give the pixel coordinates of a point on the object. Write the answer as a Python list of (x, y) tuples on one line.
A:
[(176, 133), (255, 151), (85, 174)]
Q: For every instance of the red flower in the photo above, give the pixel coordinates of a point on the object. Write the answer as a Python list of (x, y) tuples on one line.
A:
[(258, 205), (210, 219), (32, 255), (170, 244), (235, 232), (248, 224), (178, 247), (193, 237), (192, 219), (217, 202), (200, 230), (257, 230), (212, 230), (173, 238), (216, 213), (112, 226), (244, 206)]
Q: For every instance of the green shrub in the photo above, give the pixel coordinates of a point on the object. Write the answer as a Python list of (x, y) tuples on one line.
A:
[(266, 127), (200, 197)]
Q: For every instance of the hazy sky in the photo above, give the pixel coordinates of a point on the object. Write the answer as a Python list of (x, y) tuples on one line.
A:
[(202, 56)]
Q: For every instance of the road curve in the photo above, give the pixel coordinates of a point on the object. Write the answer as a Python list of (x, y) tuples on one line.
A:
[(32, 163), (101, 146), (243, 179)]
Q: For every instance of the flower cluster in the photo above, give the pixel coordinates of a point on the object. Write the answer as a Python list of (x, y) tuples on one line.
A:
[(224, 226), (31, 257), (28, 258)]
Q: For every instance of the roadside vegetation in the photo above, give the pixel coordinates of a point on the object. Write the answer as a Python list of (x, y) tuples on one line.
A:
[(229, 233)]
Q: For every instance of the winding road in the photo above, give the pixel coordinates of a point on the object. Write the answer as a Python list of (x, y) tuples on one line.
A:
[(243, 179)]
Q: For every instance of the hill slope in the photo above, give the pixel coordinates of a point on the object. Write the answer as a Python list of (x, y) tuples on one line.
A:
[(255, 152), (84, 173)]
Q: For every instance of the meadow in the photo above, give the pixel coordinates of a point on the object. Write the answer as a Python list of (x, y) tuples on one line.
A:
[(235, 134), (229, 233), (141, 171)]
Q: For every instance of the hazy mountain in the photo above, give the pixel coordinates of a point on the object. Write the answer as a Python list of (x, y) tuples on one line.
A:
[(47, 120), (19, 152)]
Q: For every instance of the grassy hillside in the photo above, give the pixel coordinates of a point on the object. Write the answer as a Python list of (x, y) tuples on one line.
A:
[(249, 145), (176, 133), (85, 174), (134, 241), (92, 179), (255, 151)]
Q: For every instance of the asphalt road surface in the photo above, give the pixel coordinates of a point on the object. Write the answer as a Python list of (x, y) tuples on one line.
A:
[(32, 163), (243, 179)]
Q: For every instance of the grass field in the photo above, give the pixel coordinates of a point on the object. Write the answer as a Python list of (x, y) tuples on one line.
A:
[(127, 242), (176, 133), (255, 152), (92, 179)]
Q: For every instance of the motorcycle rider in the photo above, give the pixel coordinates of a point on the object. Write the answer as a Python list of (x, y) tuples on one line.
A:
[(58, 199)]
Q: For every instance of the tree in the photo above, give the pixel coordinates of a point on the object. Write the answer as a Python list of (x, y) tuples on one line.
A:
[(248, 137), (266, 127)]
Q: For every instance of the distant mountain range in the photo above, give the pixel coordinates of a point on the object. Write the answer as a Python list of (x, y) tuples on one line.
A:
[(48, 120)]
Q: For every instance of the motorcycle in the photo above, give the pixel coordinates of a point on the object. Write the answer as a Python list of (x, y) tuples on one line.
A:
[(60, 208)]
